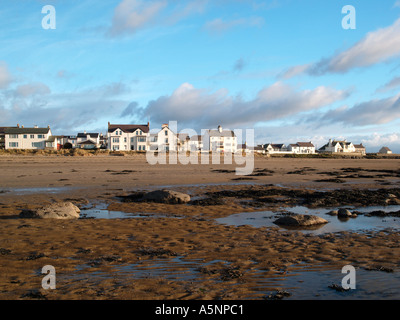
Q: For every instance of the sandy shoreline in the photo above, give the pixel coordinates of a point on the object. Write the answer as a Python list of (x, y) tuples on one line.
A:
[(100, 258)]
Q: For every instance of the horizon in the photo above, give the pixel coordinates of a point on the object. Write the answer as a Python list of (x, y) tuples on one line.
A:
[(289, 71)]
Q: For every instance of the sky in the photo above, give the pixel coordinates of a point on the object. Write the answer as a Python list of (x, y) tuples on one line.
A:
[(289, 69)]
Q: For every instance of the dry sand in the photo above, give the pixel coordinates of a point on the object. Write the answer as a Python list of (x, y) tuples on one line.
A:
[(101, 258)]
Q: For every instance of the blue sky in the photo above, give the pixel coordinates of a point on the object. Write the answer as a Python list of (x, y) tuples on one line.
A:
[(286, 68)]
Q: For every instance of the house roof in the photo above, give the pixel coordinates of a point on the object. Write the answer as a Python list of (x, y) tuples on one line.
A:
[(359, 146), (385, 149), (3, 129), (87, 142), (305, 144), (196, 138), (129, 127), (224, 133), (26, 130), (183, 136), (274, 145), (84, 135)]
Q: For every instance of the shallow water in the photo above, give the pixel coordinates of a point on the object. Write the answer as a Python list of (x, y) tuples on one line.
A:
[(312, 282), (100, 211), (47, 190), (360, 223), (302, 281)]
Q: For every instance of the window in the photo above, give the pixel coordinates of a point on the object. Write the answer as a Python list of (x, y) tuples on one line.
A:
[(140, 148), (40, 136), (166, 132), (125, 139), (32, 136), (13, 136), (115, 140), (13, 144), (36, 144), (142, 139), (132, 140), (166, 140), (25, 136)]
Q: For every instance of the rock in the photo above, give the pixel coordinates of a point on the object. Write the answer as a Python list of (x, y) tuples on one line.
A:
[(166, 196), (333, 213), (344, 213), (63, 210), (300, 220)]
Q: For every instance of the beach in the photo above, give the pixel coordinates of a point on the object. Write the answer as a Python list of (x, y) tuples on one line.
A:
[(181, 251)]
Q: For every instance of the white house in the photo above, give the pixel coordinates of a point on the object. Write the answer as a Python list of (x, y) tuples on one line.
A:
[(334, 146), (385, 150), (126, 137), (275, 148), (164, 140), (27, 138), (301, 148), (196, 143), (86, 140), (220, 140)]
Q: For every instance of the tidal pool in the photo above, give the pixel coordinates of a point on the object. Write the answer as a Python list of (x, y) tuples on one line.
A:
[(361, 223)]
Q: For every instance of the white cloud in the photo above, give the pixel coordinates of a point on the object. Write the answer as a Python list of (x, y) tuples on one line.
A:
[(200, 108), (378, 46), (377, 111), (67, 112), (131, 15), (5, 76), (397, 4)]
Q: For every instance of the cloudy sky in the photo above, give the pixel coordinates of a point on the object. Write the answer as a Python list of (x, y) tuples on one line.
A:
[(286, 68)]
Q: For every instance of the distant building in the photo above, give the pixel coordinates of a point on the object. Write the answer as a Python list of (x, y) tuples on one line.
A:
[(385, 150), (302, 148), (2, 136), (88, 141), (334, 146), (359, 148), (220, 140), (275, 148), (196, 143), (28, 138), (164, 140), (126, 137)]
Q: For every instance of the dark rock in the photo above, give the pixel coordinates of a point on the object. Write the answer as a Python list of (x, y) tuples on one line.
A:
[(300, 220)]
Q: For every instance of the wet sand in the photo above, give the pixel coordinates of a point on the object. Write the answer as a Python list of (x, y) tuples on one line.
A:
[(200, 259)]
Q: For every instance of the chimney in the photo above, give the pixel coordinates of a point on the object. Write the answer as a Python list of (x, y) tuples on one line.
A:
[(17, 125), (219, 129), (35, 126), (22, 126), (164, 125)]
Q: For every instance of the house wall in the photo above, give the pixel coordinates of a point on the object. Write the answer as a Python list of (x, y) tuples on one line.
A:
[(31, 141), (119, 140)]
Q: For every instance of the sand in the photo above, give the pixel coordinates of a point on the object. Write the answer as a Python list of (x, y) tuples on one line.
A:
[(186, 255)]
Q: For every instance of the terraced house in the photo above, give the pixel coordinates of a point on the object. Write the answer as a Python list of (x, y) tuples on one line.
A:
[(28, 138)]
